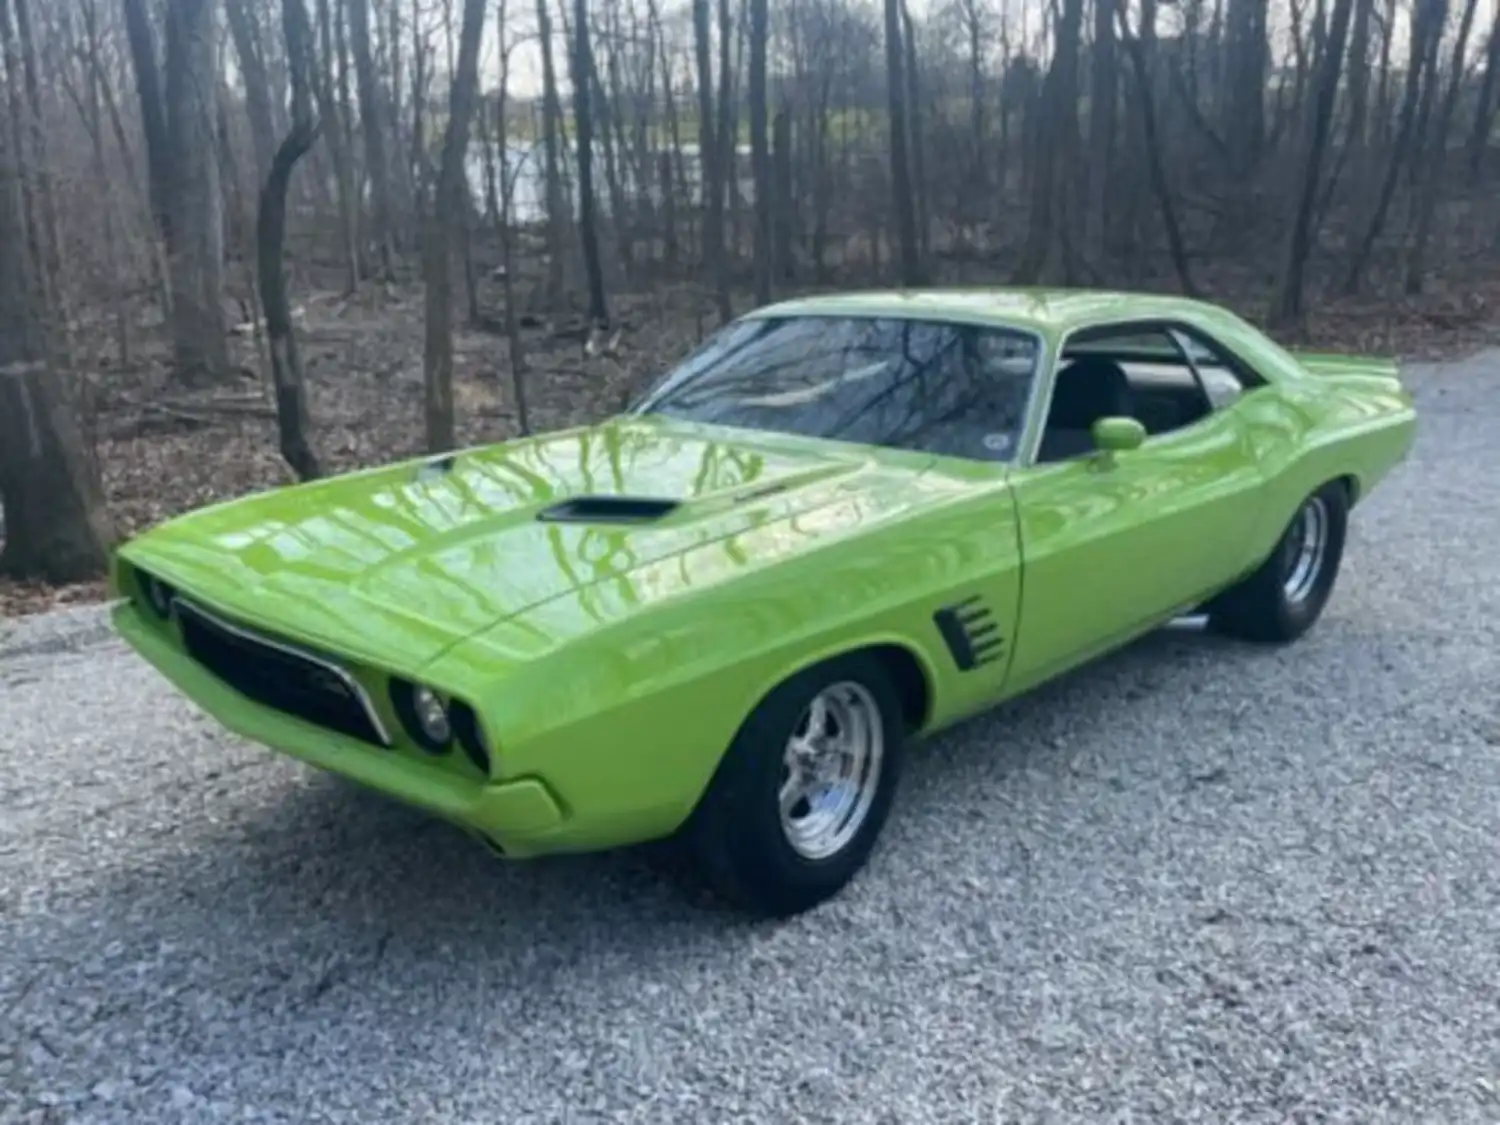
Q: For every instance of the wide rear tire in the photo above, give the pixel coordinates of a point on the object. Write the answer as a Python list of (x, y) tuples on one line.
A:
[(801, 795), (1284, 597)]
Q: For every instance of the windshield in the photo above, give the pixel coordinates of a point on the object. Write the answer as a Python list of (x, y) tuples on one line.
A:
[(957, 390)]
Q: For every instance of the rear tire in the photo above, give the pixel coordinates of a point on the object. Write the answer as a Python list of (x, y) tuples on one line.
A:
[(1284, 597), (801, 795)]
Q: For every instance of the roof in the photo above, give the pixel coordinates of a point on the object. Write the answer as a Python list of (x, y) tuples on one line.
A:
[(1048, 311)]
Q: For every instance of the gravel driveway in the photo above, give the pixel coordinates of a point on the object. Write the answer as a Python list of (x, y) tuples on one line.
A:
[(1196, 881)]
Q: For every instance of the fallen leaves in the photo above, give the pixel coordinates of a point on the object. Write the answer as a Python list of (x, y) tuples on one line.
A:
[(164, 449)]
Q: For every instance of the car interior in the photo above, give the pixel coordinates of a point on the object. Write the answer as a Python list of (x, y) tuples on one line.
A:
[(1140, 374)]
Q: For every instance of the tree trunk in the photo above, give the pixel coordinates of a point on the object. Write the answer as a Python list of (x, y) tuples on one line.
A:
[(270, 236), (1140, 49), (1103, 98), (449, 211), (915, 148), (196, 246), (336, 130), (113, 210), (903, 206), (978, 142), (1484, 108), (1053, 135), (153, 112), (727, 135), (55, 523), (583, 112), (760, 154), (372, 122), (710, 175), (1427, 23), (47, 239), (1244, 123), (1288, 308), (57, 528), (1433, 167), (247, 49), (557, 204), (784, 217), (507, 198)]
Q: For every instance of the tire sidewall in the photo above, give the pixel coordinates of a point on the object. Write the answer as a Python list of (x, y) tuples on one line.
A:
[(778, 877), (1298, 616)]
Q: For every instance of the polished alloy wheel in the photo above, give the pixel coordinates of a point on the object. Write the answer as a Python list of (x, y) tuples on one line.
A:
[(1306, 550), (831, 770)]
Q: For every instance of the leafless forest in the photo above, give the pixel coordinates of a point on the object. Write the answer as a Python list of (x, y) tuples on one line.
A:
[(246, 241)]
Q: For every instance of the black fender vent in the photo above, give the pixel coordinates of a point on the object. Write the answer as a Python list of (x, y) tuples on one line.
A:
[(608, 509), (969, 630)]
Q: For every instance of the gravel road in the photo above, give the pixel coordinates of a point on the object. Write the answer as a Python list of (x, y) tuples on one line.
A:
[(1197, 881)]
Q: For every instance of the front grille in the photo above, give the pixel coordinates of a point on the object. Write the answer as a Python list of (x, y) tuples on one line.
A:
[(277, 676)]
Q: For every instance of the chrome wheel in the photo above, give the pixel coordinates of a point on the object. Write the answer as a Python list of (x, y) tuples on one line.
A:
[(1306, 548), (831, 770)]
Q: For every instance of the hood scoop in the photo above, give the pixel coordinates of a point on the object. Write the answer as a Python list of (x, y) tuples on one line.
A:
[(608, 509)]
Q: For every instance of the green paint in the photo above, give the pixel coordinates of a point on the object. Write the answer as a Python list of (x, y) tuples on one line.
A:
[(610, 665)]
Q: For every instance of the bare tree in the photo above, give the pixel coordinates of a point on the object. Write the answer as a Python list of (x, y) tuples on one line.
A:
[(1054, 138), (180, 120), (1288, 309), (583, 113), (248, 51), (1484, 108), (55, 525), (505, 206), (1103, 100), (373, 124), (760, 155), (903, 205), (1433, 170), (449, 208), (1427, 28), (1140, 49), (286, 365), (557, 206), (338, 133)]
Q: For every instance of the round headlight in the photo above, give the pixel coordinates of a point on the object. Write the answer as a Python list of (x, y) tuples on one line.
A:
[(431, 715), (158, 595)]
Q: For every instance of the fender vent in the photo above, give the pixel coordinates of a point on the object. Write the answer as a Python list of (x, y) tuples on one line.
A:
[(969, 630), (608, 509)]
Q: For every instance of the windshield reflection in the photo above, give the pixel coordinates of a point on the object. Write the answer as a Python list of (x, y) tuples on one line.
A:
[(957, 390)]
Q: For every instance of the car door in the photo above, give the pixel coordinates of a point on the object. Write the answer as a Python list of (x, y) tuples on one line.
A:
[(1112, 546)]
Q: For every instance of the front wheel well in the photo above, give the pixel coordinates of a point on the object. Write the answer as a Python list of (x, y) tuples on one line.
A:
[(911, 683), (1351, 487)]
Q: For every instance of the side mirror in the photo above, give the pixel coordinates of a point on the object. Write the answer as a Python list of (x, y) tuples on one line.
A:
[(1117, 434)]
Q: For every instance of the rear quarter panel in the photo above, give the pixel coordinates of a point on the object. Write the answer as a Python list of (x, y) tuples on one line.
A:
[(1349, 421)]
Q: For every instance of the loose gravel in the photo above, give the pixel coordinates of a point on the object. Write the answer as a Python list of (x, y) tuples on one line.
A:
[(1197, 881)]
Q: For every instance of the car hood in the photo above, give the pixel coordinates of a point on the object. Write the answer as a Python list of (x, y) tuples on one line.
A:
[(399, 563)]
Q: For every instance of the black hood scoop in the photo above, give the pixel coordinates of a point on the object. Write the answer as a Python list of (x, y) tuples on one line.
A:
[(609, 509)]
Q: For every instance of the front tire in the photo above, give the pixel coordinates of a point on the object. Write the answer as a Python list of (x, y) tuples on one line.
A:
[(803, 791), (1284, 597)]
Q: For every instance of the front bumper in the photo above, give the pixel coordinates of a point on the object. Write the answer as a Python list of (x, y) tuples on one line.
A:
[(521, 817)]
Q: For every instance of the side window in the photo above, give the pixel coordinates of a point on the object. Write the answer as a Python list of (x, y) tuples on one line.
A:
[(1159, 389), (1223, 379)]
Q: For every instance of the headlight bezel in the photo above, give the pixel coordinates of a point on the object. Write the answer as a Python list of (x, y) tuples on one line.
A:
[(155, 594), (405, 699), (464, 729)]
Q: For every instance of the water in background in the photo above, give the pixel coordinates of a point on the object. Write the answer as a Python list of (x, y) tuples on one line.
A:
[(526, 162)]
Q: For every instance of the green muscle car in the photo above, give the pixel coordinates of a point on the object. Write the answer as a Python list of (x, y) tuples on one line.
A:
[(717, 619)]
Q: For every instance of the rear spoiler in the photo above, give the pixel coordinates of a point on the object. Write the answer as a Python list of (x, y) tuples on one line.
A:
[(1335, 364)]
